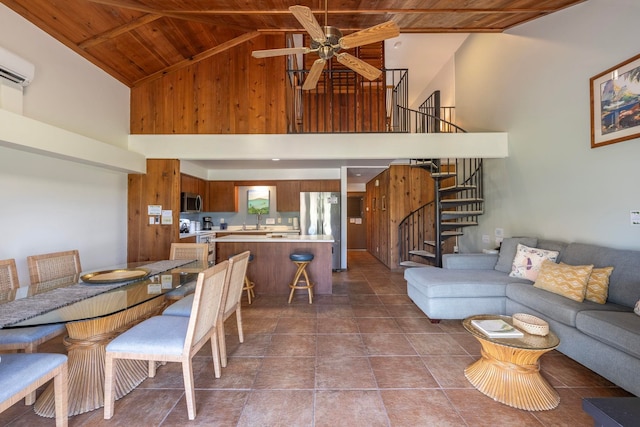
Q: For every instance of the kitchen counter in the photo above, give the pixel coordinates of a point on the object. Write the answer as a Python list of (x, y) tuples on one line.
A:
[(273, 238), (271, 269)]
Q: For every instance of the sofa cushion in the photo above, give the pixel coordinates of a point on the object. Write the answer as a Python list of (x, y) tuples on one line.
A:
[(618, 329), (570, 281), (442, 283), (508, 249), (623, 282), (554, 306), (528, 260), (598, 285), (553, 245)]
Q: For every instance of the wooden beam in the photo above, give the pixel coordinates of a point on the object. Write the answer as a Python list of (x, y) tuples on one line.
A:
[(115, 32)]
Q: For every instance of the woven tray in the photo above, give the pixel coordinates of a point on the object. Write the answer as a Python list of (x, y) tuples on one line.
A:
[(530, 324)]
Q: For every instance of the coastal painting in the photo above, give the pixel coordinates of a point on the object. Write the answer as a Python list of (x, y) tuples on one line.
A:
[(258, 201), (615, 104)]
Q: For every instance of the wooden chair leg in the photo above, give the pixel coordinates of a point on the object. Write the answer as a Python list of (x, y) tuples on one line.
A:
[(61, 390), (109, 386), (215, 352), (223, 344), (239, 323), (189, 391)]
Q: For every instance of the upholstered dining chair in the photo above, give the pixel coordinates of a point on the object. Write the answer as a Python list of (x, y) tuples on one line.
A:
[(235, 283), (53, 269), (23, 339), (22, 374), (172, 338)]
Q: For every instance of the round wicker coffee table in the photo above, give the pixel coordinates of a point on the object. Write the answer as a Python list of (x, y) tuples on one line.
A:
[(509, 369)]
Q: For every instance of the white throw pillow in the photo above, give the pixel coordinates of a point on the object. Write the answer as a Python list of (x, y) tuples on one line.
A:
[(527, 262), (637, 308)]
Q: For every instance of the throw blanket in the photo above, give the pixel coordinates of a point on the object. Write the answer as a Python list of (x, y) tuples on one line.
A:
[(26, 308)]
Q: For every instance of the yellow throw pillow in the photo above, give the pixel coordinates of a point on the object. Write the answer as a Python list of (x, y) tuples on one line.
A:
[(598, 285), (570, 281)]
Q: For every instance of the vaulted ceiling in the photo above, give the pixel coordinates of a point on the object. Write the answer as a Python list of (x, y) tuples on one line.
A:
[(134, 40)]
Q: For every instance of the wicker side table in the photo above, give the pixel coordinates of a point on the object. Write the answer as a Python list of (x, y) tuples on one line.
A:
[(509, 369)]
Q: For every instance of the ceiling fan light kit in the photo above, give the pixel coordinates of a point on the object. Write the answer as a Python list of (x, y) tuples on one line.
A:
[(327, 42)]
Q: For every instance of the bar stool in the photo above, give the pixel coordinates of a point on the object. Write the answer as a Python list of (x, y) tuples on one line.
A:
[(249, 285), (301, 259)]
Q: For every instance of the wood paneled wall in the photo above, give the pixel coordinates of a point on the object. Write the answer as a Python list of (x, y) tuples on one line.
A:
[(229, 93)]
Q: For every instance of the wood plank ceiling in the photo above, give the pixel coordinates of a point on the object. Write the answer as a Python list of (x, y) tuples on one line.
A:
[(138, 40)]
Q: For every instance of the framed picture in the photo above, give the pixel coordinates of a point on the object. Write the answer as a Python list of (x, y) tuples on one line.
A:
[(615, 104), (258, 202)]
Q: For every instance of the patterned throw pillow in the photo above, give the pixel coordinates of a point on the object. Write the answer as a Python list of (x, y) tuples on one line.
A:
[(598, 285), (527, 261), (570, 281)]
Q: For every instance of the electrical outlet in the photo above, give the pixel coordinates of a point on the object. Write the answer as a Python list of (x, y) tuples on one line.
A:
[(485, 238), (279, 220), (270, 221), (289, 221), (499, 233)]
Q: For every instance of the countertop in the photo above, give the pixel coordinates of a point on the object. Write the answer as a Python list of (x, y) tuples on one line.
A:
[(273, 238), (237, 229)]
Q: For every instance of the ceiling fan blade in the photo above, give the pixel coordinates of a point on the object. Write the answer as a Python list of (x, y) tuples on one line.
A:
[(359, 66), (277, 52), (314, 74), (386, 30), (305, 17)]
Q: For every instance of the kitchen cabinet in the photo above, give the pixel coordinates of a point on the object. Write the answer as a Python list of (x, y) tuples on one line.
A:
[(320, 185), (159, 186), (288, 196), (221, 196), (191, 184)]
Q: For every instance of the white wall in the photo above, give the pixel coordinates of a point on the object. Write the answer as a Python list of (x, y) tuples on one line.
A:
[(50, 204), (68, 91), (533, 82)]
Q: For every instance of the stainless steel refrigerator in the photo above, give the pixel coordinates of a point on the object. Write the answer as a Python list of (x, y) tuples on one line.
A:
[(320, 215)]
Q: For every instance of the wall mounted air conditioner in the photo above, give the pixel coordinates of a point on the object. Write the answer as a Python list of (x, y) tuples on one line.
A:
[(16, 69)]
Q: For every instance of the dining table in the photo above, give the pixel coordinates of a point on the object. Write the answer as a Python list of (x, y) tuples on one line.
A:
[(96, 307)]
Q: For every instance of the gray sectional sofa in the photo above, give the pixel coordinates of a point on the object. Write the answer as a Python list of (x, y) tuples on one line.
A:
[(603, 337)]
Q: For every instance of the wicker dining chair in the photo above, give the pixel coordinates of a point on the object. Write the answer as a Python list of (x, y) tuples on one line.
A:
[(54, 268), (23, 339), (234, 285), (198, 251), (172, 338)]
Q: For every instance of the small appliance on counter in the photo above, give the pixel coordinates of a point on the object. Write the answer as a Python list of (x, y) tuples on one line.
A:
[(223, 225), (207, 224)]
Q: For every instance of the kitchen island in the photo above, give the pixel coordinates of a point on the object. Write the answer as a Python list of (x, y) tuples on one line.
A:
[(271, 269)]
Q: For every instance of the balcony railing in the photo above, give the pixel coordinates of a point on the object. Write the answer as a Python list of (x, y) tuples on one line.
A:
[(344, 101)]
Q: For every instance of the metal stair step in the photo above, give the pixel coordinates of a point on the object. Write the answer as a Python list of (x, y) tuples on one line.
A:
[(460, 202), (459, 214), (425, 254), (442, 175), (458, 224), (413, 264), (457, 188)]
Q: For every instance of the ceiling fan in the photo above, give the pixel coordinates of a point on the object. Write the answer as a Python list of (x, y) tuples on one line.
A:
[(327, 41)]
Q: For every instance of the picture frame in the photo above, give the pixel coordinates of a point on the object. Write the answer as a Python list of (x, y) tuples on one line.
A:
[(615, 104), (258, 201)]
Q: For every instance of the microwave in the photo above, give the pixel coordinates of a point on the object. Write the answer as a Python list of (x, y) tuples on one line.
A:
[(190, 202)]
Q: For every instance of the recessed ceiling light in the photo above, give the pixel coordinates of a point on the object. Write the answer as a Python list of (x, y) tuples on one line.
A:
[(358, 174), (276, 160)]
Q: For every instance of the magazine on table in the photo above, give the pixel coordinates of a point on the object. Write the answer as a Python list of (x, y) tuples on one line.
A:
[(496, 328)]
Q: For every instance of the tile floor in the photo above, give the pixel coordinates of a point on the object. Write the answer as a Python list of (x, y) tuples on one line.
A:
[(364, 356)]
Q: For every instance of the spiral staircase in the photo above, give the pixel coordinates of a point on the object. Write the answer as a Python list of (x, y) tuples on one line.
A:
[(432, 230)]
